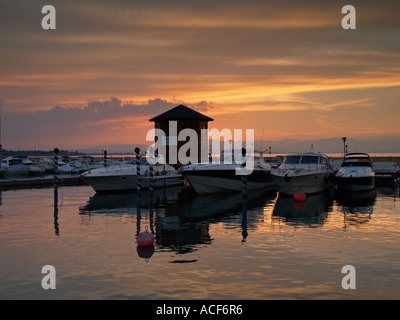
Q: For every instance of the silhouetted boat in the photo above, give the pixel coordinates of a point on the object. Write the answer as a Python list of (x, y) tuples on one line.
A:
[(14, 166), (386, 172), (355, 173), (212, 178)]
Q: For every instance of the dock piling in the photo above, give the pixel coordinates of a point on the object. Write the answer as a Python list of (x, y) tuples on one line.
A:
[(151, 169), (55, 163), (55, 166), (244, 176), (138, 177), (151, 186)]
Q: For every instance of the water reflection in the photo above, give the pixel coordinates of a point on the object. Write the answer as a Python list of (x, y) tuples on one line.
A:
[(123, 203), (216, 206), (311, 213), (244, 218), (145, 252), (389, 191), (102, 261), (179, 219), (184, 225), (56, 225), (357, 207)]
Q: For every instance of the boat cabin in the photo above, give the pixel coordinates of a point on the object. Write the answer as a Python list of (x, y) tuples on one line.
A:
[(357, 160), (185, 118), (12, 162), (306, 158)]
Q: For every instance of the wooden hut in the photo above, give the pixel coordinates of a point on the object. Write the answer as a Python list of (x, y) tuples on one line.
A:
[(185, 118)]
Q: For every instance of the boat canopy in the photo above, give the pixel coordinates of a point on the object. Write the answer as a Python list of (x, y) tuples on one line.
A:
[(13, 162), (357, 160), (305, 159)]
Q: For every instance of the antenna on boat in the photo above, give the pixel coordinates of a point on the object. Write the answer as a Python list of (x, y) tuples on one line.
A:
[(261, 153), (262, 139)]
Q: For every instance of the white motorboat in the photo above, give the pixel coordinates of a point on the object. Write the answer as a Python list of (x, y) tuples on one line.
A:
[(123, 177), (306, 172), (25, 160), (69, 169), (36, 170), (14, 166), (355, 173), (46, 163), (3, 171), (81, 165), (209, 178)]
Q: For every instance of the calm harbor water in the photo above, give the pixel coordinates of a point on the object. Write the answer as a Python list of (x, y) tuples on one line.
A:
[(207, 247)]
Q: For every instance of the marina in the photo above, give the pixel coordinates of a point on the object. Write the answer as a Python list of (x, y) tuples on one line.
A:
[(206, 247), (211, 237), (386, 171), (233, 225), (202, 153)]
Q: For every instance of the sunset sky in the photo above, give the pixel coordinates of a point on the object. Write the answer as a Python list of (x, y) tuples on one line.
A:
[(284, 68)]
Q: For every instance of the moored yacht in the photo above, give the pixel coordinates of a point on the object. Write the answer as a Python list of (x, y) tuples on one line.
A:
[(47, 163), (14, 166), (355, 173), (306, 172), (209, 178), (123, 177)]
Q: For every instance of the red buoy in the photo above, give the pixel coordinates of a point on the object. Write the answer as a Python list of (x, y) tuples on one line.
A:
[(300, 196), (145, 239)]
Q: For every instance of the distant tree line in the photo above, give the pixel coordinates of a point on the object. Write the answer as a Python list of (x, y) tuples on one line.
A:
[(38, 153)]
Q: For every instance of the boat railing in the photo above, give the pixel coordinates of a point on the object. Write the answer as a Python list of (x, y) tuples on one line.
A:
[(303, 167), (158, 169)]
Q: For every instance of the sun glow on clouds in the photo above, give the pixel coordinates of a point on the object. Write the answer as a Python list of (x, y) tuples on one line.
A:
[(214, 16), (239, 62)]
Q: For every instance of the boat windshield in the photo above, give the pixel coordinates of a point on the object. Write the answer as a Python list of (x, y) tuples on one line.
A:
[(14, 162), (302, 160), (134, 161), (292, 160), (309, 159), (355, 163)]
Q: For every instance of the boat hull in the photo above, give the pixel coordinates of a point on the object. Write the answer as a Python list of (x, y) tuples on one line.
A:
[(129, 182), (18, 170), (220, 181), (355, 183), (312, 183)]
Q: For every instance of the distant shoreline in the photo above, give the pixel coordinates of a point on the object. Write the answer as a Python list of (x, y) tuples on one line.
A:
[(99, 157), (36, 154)]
